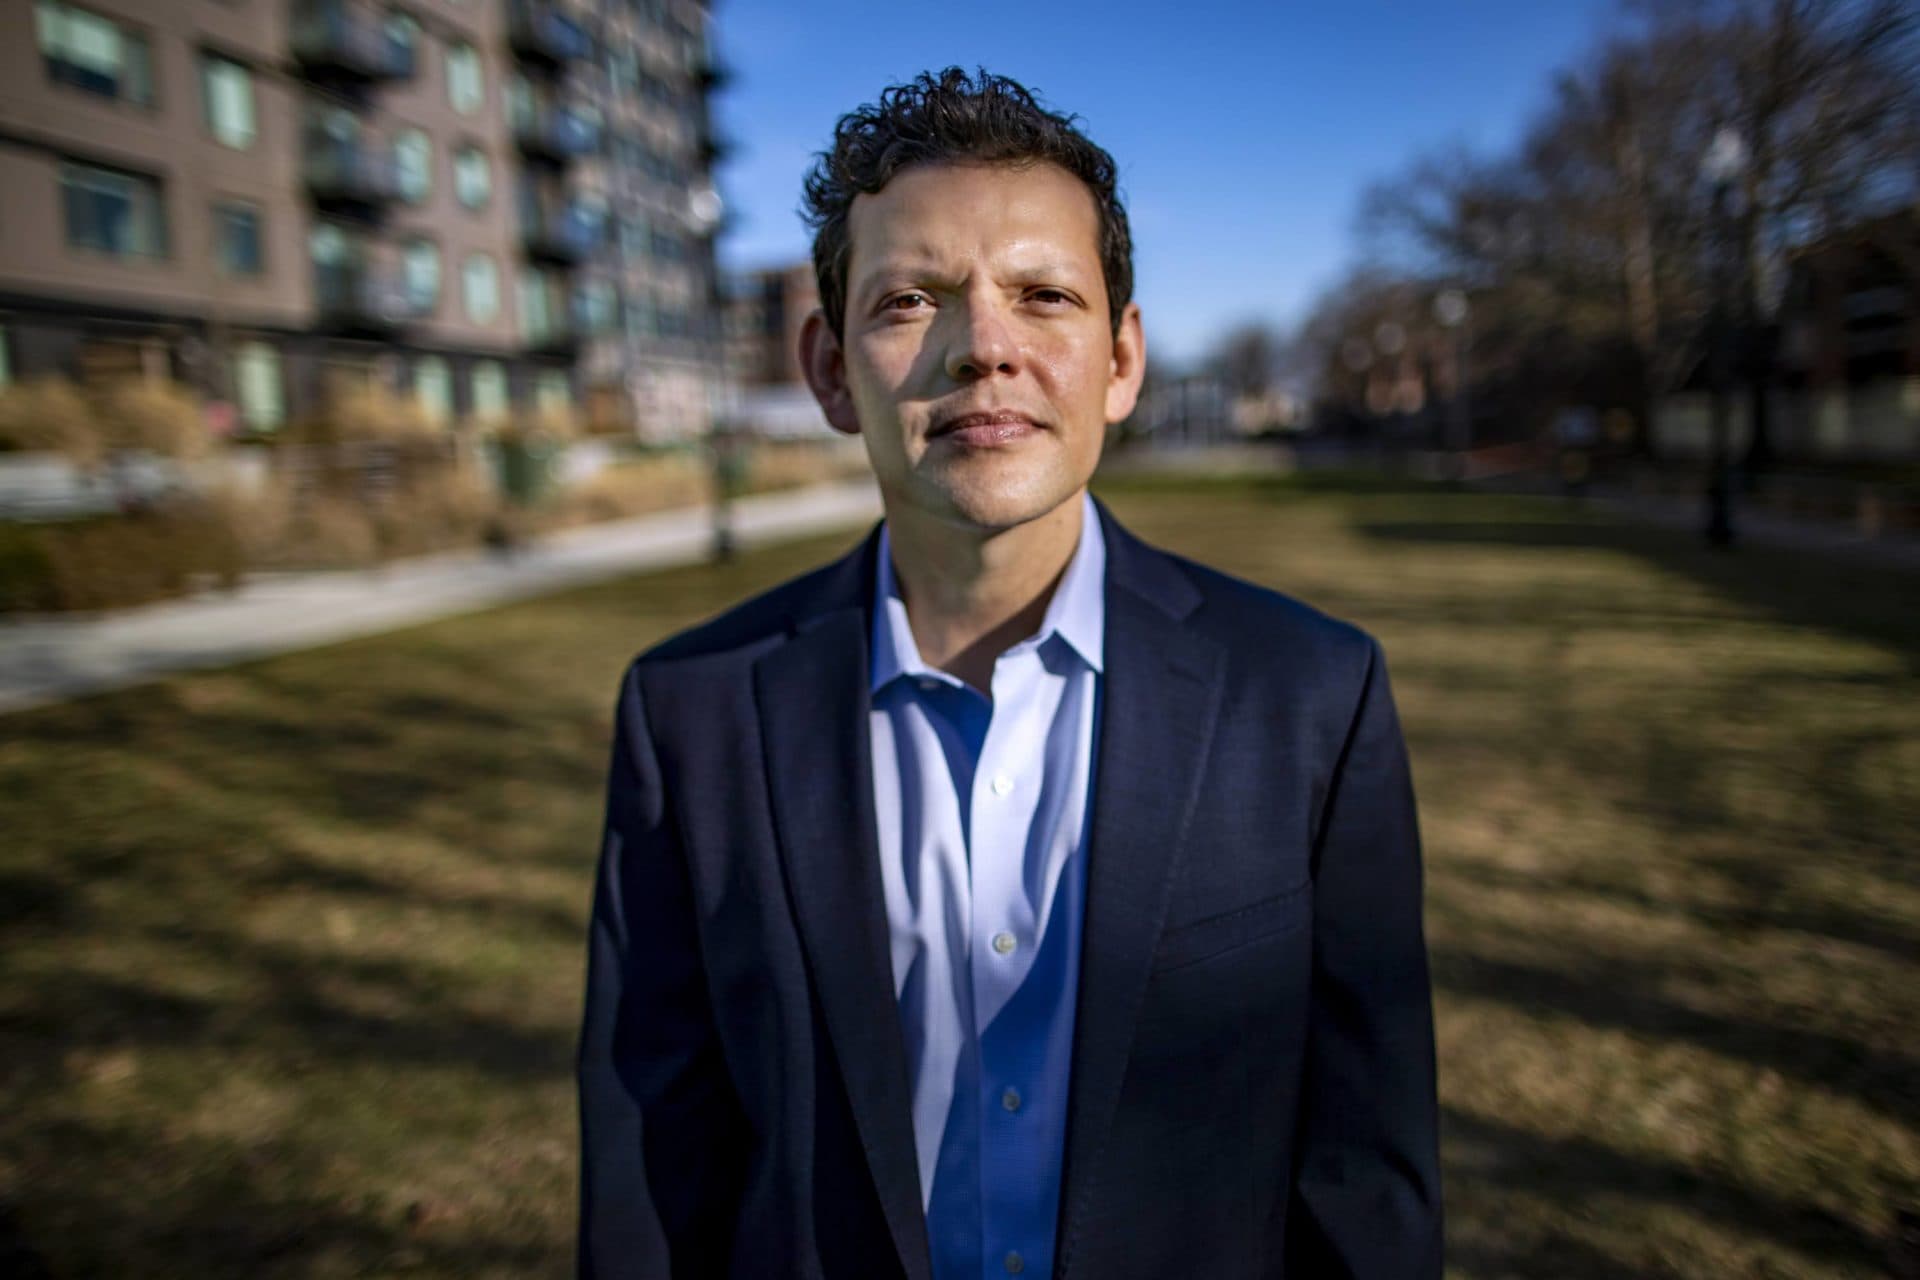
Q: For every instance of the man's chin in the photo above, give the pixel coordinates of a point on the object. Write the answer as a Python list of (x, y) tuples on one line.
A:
[(995, 508)]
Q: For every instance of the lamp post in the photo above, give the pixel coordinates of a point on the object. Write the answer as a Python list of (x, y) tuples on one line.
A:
[(1722, 166), (1451, 309), (704, 210)]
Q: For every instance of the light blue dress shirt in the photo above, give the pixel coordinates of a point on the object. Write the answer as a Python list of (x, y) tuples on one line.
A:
[(983, 811)]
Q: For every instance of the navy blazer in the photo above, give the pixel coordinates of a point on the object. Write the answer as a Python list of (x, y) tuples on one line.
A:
[(1252, 1089)]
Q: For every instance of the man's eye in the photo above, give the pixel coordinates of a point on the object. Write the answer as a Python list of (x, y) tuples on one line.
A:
[(905, 302), (1050, 295)]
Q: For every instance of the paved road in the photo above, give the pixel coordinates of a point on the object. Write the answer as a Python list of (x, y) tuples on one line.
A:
[(51, 659)]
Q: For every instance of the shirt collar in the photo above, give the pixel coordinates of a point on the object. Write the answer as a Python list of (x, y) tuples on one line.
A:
[(1077, 613)]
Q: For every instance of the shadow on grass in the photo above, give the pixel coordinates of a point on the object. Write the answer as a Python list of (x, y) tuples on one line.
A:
[(230, 1224), (356, 878), (1763, 912), (1622, 995), (1824, 591), (1575, 1173)]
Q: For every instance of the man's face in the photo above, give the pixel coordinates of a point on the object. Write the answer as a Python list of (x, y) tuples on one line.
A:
[(979, 360)]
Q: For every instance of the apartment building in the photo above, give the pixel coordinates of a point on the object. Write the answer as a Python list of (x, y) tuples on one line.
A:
[(764, 311), (273, 199)]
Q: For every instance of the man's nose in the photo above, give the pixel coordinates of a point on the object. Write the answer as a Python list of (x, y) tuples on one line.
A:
[(982, 344)]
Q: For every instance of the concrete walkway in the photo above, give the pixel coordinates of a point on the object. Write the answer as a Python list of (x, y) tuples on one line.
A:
[(48, 659)]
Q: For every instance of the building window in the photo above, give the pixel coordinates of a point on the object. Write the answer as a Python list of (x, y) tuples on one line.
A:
[(329, 246), (236, 239), (553, 392), (97, 54), (112, 212), (480, 288), (466, 90), (228, 89), (413, 157), (403, 31), (637, 310), (420, 274), (539, 309), (256, 385), (488, 386), (433, 389), (597, 306), (633, 238), (472, 178)]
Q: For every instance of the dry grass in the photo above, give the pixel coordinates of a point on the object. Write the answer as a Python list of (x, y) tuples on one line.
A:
[(293, 951), (160, 417), (632, 487), (50, 414)]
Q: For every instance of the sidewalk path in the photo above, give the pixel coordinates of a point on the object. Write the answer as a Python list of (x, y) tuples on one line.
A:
[(46, 659)]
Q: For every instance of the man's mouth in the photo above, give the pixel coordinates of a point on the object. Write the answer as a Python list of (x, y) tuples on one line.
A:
[(984, 430)]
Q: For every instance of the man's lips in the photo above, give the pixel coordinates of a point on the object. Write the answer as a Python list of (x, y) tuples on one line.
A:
[(1003, 426)]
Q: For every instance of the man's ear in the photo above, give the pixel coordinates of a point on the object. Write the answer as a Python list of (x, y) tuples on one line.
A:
[(1129, 365), (825, 367)]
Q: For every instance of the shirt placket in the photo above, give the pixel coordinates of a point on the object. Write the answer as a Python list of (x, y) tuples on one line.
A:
[(1004, 939)]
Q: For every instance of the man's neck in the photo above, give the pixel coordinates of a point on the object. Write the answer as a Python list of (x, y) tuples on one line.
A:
[(969, 600)]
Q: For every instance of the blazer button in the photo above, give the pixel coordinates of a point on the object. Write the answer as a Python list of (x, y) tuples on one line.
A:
[(1003, 942), (1015, 1264)]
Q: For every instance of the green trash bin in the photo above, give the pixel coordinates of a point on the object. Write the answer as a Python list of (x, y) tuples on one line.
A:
[(527, 468)]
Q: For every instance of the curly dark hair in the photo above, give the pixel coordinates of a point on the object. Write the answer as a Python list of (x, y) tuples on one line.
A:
[(951, 117)]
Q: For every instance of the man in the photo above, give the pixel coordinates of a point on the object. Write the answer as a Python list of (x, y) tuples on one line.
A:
[(1007, 897)]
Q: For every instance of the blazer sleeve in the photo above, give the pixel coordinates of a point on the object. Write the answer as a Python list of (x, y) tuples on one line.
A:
[(1366, 1186), (661, 1135)]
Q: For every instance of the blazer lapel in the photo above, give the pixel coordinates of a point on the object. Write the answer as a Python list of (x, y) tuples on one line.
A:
[(812, 698), (1162, 696)]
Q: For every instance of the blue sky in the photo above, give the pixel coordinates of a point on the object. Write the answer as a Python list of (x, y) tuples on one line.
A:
[(1245, 133)]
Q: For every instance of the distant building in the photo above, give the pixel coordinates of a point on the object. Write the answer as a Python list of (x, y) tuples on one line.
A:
[(1186, 410), (487, 205), (764, 312), (765, 309), (1846, 383)]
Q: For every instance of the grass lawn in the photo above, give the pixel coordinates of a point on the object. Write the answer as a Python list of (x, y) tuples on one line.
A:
[(290, 954)]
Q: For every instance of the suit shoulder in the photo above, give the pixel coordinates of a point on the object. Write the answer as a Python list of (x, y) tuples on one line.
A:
[(753, 624), (1242, 612), (748, 625)]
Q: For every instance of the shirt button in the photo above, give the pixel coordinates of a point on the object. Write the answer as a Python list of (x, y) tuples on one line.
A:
[(1010, 1099), (1015, 1264), (1003, 942), (1002, 784)]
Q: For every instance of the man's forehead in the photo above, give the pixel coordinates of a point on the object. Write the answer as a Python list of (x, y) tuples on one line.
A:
[(1028, 207)]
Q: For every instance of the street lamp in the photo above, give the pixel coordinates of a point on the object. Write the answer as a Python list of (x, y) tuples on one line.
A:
[(1451, 309), (1723, 165), (704, 211)]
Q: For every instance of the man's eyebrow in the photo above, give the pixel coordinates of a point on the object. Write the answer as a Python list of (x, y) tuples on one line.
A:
[(1051, 269), (909, 268)]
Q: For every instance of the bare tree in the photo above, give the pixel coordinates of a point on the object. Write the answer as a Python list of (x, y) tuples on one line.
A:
[(1596, 235), (1247, 359)]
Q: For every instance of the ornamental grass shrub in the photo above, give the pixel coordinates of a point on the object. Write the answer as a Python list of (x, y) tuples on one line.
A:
[(159, 417), (50, 414), (110, 562)]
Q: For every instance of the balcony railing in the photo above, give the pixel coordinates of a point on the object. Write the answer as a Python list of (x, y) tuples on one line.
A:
[(555, 132), (711, 74), (350, 172), (541, 32), (357, 298), (557, 335), (563, 234), (337, 40)]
